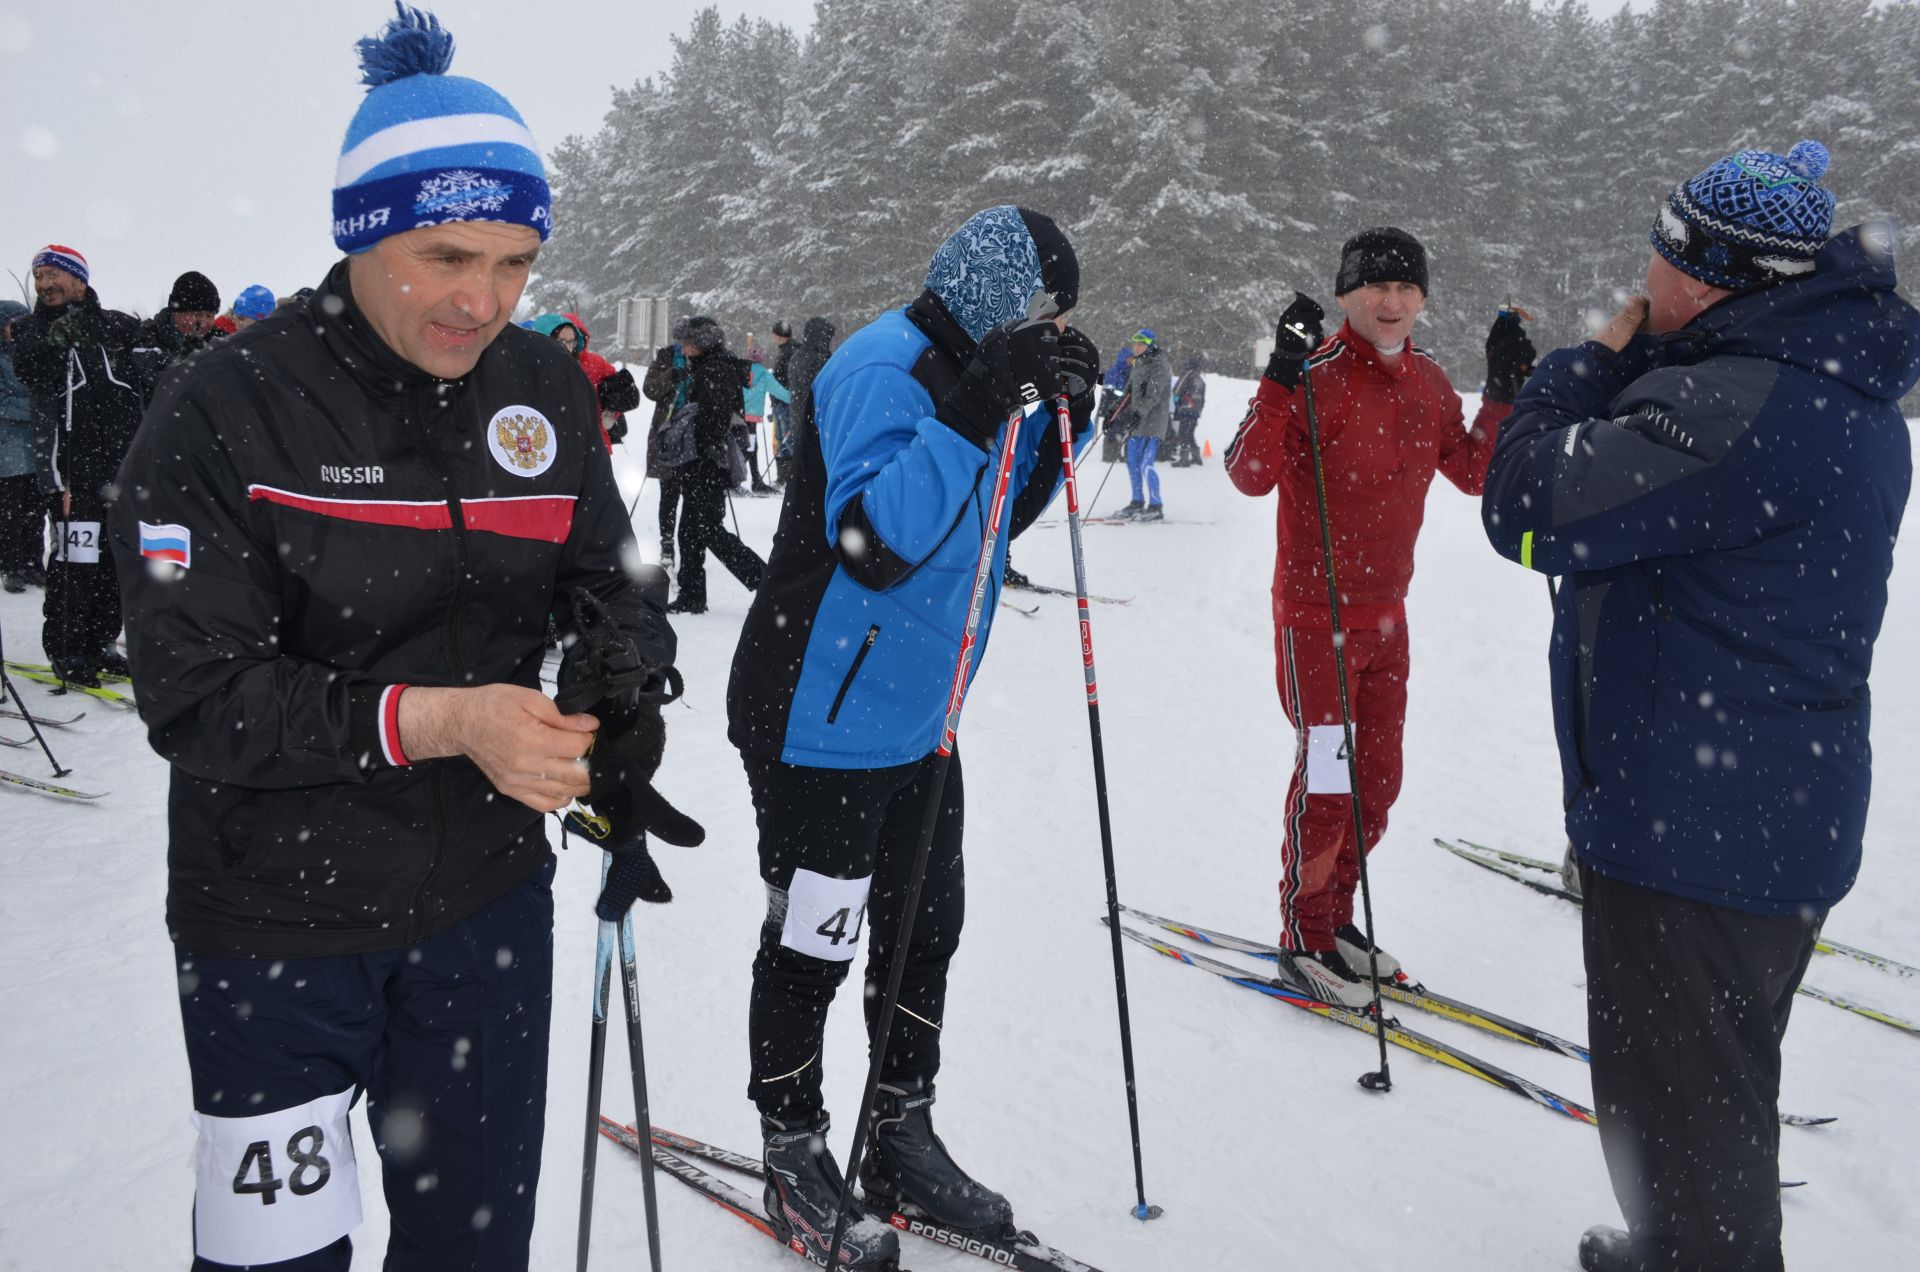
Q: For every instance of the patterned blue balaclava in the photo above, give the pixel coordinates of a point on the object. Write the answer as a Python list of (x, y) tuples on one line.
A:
[(989, 269), (1752, 219)]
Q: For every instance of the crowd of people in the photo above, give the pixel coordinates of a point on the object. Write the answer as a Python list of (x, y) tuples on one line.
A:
[(1715, 479)]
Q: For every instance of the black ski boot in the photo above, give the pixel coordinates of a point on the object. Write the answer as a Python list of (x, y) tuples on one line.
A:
[(907, 1169), (803, 1195), (1605, 1249)]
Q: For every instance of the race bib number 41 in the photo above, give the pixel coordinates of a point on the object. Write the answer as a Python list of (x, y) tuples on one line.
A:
[(275, 1186)]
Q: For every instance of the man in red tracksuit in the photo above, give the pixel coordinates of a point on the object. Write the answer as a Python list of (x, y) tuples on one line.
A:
[(1388, 420)]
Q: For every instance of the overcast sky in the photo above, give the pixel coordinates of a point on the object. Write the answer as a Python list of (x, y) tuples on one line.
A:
[(157, 137)]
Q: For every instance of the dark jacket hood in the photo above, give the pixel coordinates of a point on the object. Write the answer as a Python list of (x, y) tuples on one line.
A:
[(818, 332), (1844, 320)]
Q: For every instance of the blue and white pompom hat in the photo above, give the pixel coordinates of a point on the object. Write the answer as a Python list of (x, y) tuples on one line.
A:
[(1751, 220), (427, 147)]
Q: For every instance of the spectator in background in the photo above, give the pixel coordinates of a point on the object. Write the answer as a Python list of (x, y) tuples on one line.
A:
[(816, 346), (760, 387), (181, 329), (1142, 419), (782, 406), (665, 384), (1113, 444), (77, 359), (615, 389), (250, 306), (22, 511), (716, 385), (1189, 399)]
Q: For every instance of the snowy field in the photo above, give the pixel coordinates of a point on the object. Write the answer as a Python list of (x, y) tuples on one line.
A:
[(1259, 1144)]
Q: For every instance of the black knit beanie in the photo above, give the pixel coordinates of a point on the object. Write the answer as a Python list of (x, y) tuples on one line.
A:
[(1381, 255), (194, 293), (700, 331)]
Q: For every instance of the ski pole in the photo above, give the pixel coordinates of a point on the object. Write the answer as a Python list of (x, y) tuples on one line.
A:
[(644, 478), (596, 1071), (1141, 1209), (936, 789), (642, 1113), (1383, 1080), (26, 713)]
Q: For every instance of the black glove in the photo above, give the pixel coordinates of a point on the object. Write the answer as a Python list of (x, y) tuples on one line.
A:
[(1079, 374), (1510, 356), (602, 671), (1295, 337), (68, 331), (617, 430), (618, 392), (1017, 364)]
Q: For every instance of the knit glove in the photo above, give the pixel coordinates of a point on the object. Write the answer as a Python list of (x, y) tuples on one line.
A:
[(1510, 357), (1295, 337)]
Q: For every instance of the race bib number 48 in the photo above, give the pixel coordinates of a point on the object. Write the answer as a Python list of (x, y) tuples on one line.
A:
[(275, 1186)]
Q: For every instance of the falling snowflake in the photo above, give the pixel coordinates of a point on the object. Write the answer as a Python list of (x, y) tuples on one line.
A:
[(459, 193)]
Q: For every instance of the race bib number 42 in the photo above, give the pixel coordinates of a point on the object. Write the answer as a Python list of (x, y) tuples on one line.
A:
[(79, 542), (274, 1186)]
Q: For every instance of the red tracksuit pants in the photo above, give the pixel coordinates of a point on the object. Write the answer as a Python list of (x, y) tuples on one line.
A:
[(1319, 862)]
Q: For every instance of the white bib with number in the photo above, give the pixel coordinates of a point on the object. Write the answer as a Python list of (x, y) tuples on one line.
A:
[(274, 1186), (1327, 760), (825, 916), (79, 542)]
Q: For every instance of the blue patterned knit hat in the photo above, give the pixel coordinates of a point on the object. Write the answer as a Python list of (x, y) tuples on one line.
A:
[(427, 147), (989, 269), (1750, 220)]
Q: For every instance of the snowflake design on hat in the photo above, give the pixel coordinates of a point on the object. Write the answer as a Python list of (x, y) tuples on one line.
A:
[(459, 194), (987, 270)]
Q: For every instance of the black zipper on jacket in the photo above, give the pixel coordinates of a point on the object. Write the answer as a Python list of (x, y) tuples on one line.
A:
[(458, 520), (866, 646)]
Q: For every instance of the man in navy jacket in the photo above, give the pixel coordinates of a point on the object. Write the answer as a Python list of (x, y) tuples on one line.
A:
[(839, 692), (1719, 477)]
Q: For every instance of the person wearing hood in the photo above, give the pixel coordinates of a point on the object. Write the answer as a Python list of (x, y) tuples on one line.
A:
[(22, 510), (839, 690), (1718, 477), (177, 331), (716, 385), (615, 388), (77, 359), (1143, 421)]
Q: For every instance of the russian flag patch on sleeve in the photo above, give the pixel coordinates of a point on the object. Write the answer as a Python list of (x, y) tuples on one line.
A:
[(167, 543)]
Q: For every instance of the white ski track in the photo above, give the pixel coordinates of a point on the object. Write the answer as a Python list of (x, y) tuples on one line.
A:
[(1439, 1174)]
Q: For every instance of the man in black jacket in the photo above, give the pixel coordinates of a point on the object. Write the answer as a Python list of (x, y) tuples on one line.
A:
[(178, 331), (76, 358), (340, 537), (716, 385)]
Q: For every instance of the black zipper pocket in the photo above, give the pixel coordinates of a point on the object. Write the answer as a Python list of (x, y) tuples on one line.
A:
[(866, 647)]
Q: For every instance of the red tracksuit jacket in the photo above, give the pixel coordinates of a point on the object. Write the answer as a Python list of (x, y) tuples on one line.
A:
[(1385, 429)]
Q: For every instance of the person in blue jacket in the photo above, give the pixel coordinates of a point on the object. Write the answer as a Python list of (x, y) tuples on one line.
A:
[(839, 693), (1718, 477)]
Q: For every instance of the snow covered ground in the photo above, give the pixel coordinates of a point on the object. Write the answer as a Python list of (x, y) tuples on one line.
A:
[(1259, 1144)]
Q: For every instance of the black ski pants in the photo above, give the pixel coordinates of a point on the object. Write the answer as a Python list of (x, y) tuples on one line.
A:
[(836, 854), (669, 511), (703, 525), (1686, 1006), (81, 611), (23, 516)]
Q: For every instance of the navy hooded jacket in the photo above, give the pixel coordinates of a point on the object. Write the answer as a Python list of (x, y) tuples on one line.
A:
[(1723, 503)]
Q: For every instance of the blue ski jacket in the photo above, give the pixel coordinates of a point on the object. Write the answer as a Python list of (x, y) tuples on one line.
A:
[(847, 656), (1723, 504)]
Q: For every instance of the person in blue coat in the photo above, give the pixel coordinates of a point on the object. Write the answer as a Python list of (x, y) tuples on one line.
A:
[(1718, 477), (839, 692)]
